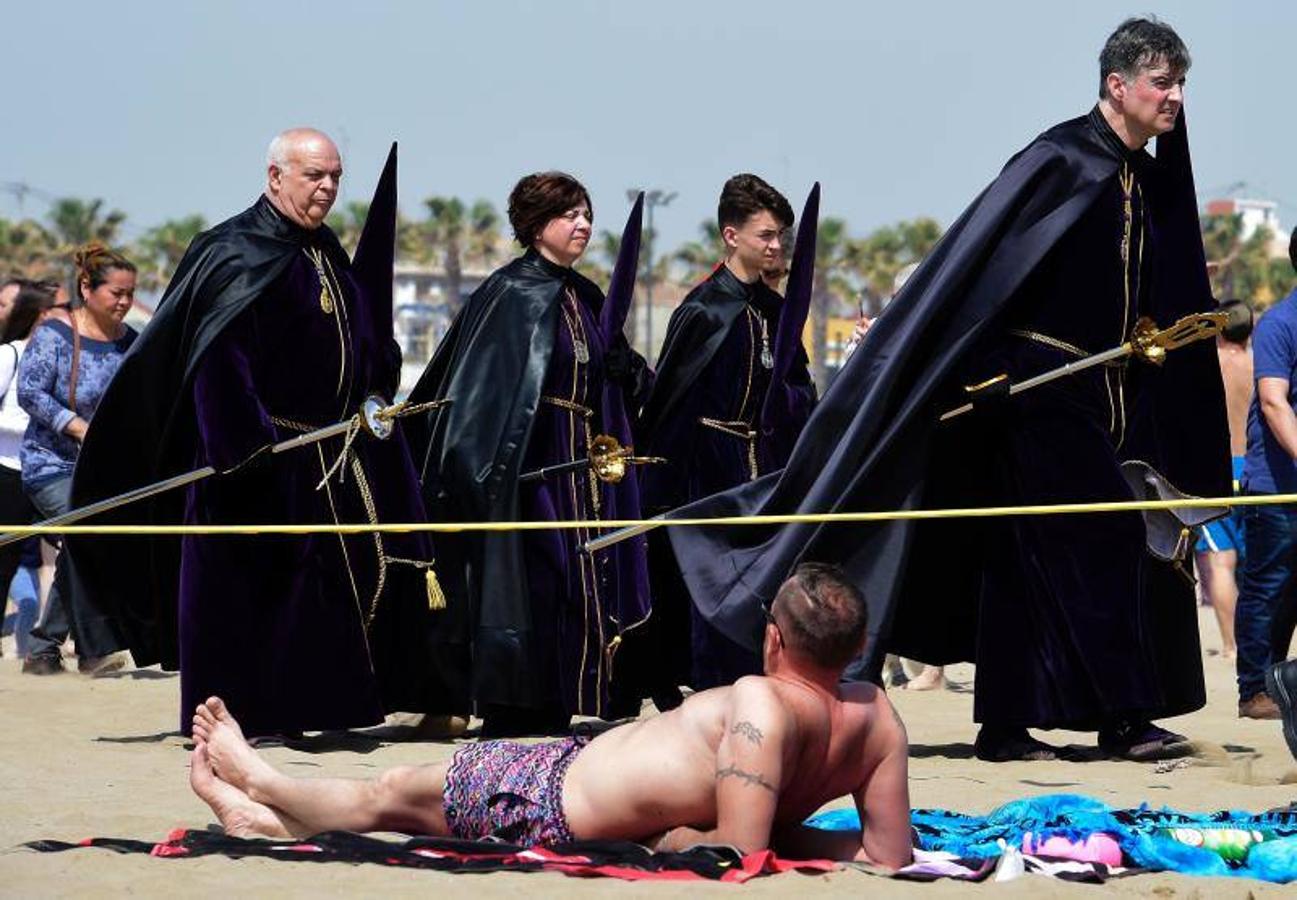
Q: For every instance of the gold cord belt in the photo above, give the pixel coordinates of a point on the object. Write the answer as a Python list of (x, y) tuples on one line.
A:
[(741, 430), (293, 424), (436, 597), (1117, 403), (584, 412)]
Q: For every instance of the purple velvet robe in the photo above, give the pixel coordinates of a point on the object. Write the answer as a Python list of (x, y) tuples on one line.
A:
[(281, 626), (580, 604)]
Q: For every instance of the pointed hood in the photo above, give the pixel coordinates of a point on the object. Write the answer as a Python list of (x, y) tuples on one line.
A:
[(376, 249), (621, 287), (797, 301)]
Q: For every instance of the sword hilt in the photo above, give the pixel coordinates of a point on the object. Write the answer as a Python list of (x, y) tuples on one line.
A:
[(1151, 344)]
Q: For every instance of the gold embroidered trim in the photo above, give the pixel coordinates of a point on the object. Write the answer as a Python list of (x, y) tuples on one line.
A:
[(584, 412), (1049, 341)]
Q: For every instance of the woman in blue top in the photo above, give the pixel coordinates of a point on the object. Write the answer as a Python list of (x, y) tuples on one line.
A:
[(63, 373)]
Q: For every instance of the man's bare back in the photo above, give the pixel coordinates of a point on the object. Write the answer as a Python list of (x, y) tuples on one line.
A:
[(1236, 372), (741, 765)]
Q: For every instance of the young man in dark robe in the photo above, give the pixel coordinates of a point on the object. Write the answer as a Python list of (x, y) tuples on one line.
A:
[(268, 331), (733, 390), (533, 370), (1071, 623)]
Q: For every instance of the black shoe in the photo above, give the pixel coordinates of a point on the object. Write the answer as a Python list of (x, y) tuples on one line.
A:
[(42, 665), (1281, 684), (1143, 742), (998, 744)]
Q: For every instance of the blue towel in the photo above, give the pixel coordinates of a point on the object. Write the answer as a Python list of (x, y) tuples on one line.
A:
[(1141, 833)]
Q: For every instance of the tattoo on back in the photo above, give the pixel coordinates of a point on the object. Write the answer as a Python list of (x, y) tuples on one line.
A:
[(752, 779), (749, 731)]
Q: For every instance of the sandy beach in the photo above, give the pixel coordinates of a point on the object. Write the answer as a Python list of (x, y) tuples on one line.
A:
[(102, 758)]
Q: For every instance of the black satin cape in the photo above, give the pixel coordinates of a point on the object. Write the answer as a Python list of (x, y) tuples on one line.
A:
[(697, 330), (469, 455), (149, 406), (868, 444)]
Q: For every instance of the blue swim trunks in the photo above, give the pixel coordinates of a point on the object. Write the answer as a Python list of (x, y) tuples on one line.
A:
[(1225, 533)]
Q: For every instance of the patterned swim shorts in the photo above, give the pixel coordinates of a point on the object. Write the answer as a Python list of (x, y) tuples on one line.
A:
[(510, 791)]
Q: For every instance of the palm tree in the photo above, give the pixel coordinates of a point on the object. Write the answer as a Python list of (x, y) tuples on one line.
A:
[(598, 263), (444, 232), (877, 257), (28, 250), (411, 243), (76, 221), (159, 250), (699, 258), (348, 223), (1243, 267), (483, 244)]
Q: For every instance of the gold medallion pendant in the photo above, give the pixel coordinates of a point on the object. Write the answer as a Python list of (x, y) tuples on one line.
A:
[(326, 299)]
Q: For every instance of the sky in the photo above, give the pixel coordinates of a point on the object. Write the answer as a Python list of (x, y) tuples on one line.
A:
[(164, 107)]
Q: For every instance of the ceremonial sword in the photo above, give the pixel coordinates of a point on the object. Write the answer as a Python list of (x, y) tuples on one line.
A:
[(374, 417), (607, 457), (1147, 342)]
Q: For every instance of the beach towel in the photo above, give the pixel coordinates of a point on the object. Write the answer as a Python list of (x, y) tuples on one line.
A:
[(1037, 832), (616, 859)]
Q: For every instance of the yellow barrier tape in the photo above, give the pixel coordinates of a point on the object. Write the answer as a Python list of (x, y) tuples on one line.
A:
[(973, 512)]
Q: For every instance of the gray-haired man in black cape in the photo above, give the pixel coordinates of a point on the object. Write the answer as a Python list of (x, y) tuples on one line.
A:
[(1071, 623)]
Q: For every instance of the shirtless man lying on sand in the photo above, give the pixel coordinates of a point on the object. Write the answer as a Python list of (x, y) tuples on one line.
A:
[(740, 765)]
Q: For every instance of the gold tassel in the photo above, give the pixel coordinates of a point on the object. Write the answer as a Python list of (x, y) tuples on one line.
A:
[(436, 596)]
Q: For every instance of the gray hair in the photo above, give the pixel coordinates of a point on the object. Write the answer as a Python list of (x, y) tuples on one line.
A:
[(281, 145), (277, 152)]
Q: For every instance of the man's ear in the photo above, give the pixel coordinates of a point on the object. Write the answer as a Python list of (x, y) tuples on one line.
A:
[(274, 177), (730, 235), (1116, 87)]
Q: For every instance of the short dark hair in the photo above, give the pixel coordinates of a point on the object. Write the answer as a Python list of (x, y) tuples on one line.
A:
[(746, 195), (540, 197), (32, 299), (1239, 327), (823, 615), (1292, 248), (1138, 43)]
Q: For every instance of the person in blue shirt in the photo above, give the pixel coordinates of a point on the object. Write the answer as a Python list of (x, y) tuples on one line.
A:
[(63, 373), (1267, 607)]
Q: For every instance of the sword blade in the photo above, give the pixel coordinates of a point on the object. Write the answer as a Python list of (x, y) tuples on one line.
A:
[(168, 484), (541, 474), (1062, 371), (621, 534)]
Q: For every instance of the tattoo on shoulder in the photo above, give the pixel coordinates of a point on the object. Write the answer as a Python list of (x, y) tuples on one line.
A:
[(752, 779), (749, 731)]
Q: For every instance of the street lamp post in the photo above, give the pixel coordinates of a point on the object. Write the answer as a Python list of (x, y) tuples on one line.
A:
[(652, 199)]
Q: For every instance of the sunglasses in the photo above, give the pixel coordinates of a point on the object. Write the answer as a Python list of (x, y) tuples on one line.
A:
[(767, 610)]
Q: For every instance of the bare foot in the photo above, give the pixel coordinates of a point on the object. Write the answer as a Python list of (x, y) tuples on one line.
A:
[(238, 813), (234, 761), (213, 711), (932, 678)]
